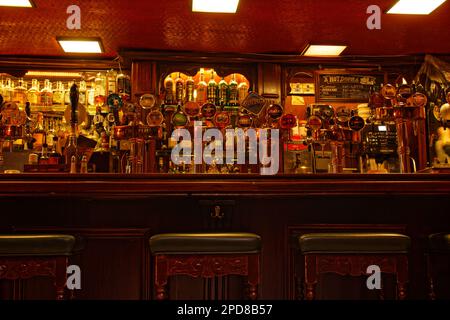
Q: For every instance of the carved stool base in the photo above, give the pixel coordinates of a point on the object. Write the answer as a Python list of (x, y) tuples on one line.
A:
[(207, 266)]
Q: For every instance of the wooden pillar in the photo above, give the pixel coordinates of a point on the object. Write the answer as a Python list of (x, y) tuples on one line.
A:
[(143, 78), (269, 81)]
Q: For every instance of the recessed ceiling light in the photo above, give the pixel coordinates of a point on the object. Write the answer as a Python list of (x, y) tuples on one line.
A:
[(80, 45), (16, 3), (323, 50), (217, 6), (415, 6)]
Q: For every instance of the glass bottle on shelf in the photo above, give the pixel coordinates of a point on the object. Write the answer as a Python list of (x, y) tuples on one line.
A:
[(111, 81), (242, 90), (212, 89), (91, 96), (44, 155), (100, 89), (67, 93), (190, 85), (233, 88), (2, 87), (46, 94), (58, 93), (33, 93), (161, 165), (168, 90), (20, 93), (202, 89), (83, 89), (179, 89), (8, 90), (124, 86), (223, 92), (55, 156)]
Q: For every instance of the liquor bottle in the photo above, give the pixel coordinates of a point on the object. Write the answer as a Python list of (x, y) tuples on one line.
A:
[(124, 86), (2, 88), (234, 94), (111, 81), (33, 93), (67, 93), (212, 89), (83, 90), (8, 90), (179, 89), (202, 89), (55, 156), (58, 94), (44, 159), (161, 165), (168, 90), (242, 91), (20, 93), (223, 92), (100, 89), (46, 96), (190, 85), (91, 96), (100, 84)]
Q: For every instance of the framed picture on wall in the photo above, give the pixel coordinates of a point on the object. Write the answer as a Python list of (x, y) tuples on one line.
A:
[(298, 88)]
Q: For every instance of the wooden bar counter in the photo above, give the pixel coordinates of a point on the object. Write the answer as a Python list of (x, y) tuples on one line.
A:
[(116, 214)]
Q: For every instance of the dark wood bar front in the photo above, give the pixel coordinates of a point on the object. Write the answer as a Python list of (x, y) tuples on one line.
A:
[(115, 215)]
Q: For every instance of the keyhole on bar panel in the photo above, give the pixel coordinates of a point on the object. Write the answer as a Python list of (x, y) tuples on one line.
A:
[(217, 214)]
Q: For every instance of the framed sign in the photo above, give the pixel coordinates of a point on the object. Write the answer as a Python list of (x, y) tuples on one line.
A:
[(343, 86), (298, 88)]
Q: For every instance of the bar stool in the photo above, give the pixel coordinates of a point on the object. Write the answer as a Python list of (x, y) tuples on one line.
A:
[(206, 255), (439, 246), (351, 254), (28, 256)]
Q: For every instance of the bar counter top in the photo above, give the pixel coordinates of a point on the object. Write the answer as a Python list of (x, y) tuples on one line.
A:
[(251, 184)]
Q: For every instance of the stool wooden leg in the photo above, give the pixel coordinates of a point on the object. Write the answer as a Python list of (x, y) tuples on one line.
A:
[(161, 277), (253, 276), (402, 277), (431, 292), (60, 277), (310, 276)]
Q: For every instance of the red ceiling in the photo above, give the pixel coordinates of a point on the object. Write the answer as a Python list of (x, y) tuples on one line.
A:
[(259, 26)]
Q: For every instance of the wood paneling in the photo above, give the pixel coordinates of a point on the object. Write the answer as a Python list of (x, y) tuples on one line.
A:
[(143, 78), (117, 214), (269, 81)]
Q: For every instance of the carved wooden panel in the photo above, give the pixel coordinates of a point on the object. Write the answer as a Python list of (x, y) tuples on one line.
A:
[(13, 269), (207, 266), (355, 265)]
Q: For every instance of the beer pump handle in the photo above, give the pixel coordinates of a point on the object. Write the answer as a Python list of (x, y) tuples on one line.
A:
[(74, 97)]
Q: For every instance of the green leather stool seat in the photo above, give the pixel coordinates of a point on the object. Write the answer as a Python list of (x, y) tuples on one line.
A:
[(439, 242), (354, 243), (36, 245), (205, 243)]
